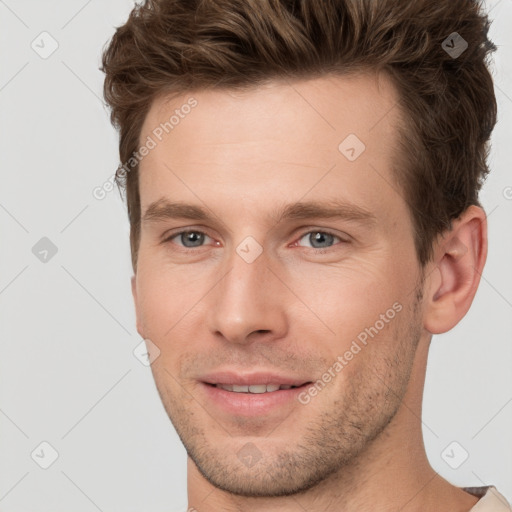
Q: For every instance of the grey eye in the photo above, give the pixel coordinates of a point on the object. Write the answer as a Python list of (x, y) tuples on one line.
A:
[(318, 239), (191, 238)]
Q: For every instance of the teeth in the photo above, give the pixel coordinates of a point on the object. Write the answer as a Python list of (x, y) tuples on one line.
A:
[(227, 387), (254, 388), (258, 388)]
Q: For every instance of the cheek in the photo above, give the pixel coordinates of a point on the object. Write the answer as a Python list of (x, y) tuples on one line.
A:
[(170, 309), (346, 300), (337, 300), (157, 305)]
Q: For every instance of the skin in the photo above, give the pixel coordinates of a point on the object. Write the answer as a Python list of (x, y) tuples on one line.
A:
[(357, 445)]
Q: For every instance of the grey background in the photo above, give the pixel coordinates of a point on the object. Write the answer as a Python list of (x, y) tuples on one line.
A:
[(68, 375)]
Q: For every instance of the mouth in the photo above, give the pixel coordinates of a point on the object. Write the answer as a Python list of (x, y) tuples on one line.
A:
[(256, 388), (253, 399)]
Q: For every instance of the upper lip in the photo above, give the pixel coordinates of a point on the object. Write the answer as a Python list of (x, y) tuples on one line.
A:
[(253, 378)]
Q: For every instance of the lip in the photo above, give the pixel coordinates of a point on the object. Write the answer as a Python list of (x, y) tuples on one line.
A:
[(252, 404)]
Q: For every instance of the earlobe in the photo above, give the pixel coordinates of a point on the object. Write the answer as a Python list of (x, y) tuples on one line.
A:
[(459, 259)]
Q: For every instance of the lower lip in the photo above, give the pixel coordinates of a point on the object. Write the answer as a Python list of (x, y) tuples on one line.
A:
[(251, 404)]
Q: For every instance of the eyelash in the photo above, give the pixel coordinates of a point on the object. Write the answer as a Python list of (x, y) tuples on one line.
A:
[(301, 236)]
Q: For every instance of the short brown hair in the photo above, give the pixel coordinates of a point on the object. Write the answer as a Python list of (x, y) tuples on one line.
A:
[(448, 101)]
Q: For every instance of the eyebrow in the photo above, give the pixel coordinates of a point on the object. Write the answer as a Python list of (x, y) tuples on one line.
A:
[(164, 209)]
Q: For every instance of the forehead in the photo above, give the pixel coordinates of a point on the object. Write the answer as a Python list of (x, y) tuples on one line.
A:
[(317, 110), (330, 134)]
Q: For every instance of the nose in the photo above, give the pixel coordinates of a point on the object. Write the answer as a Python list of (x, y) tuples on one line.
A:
[(249, 302)]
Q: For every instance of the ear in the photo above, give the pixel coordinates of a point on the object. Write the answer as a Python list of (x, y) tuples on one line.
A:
[(134, 295), (454, 274)]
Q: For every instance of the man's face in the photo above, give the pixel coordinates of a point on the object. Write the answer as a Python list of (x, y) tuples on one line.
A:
[(252, 297)]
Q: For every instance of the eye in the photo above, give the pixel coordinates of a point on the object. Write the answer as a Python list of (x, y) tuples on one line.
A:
[(188, 239), (320, 239)]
